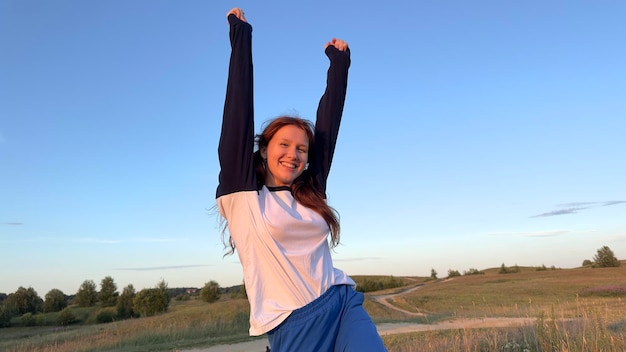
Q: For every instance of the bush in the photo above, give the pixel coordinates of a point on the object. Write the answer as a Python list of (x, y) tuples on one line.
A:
[(106, 315), (453, 273), (29, 319), (210, 292), (382, 283), (151, 301), (506, 270), (473, 271), (183, 297), (66, 317)]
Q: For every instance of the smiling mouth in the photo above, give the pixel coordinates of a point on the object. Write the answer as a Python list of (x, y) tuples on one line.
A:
[(289, 165)]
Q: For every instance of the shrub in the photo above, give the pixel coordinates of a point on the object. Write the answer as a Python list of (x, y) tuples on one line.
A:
[(453, 273), (382, 283), (29, 319), (106, 315), (210, 292), (473, 271), (151, 301), (506, 270), (66, 317)]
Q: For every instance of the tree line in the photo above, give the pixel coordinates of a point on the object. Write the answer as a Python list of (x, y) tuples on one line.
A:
[(25, 302), (112, 304)]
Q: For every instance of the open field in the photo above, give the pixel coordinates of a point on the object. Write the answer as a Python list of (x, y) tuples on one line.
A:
[(579, 309)]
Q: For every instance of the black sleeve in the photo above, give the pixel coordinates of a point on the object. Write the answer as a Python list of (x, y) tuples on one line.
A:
[(236, 144), (329, 114)]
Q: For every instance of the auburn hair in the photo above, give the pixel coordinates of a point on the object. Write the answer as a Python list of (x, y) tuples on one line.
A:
[(305, 189)]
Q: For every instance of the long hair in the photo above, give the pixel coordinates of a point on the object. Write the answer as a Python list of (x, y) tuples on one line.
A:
[(305, 189)]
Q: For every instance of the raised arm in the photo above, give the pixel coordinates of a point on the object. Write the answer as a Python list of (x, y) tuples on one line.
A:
[(237, 137), (330, 110)]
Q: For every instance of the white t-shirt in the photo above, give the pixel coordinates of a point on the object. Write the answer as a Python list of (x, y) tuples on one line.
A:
[(283, 248)]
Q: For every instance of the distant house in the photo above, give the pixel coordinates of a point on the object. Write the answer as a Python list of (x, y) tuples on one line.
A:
[(192, 291)]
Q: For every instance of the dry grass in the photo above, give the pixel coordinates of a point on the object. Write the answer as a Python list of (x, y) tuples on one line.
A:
[(573, 310), (526, 293), (189, 323)]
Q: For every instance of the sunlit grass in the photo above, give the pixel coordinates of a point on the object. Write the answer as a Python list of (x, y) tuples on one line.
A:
[(569, 310), (597, 328), (189, 323)]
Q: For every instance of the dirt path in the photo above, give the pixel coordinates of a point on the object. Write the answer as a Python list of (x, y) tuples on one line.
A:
[(389, 328), (384, 300), (386, 329)]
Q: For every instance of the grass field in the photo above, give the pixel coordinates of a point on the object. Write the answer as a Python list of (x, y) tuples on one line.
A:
[(580, 309)]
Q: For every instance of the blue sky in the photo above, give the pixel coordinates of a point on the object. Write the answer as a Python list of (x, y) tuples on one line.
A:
[(474, 134)]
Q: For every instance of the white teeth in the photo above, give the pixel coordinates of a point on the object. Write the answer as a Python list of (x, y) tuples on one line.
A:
[(290, 165)]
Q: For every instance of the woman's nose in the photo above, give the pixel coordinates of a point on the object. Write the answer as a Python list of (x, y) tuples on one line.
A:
[(293, 153)]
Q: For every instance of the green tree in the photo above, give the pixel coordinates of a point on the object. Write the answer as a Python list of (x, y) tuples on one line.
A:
[(24, 300), (433, 274), (108, 292), (605, 258), (152, 301), (164, 294), (86, 295), (125, 303), (210, 292), (54, 301)]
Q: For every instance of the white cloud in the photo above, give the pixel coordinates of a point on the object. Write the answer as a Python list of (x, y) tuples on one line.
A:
[(163, 267), (550, 233), (153, 240), (98, 240), (132, 240)]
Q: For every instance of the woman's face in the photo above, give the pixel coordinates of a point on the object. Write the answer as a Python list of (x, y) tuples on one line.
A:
[(286, 155)]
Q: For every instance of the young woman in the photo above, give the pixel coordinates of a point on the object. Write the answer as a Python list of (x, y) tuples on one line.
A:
[(274, 203)]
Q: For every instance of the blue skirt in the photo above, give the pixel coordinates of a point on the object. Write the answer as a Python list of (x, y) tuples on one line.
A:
[(336, 321)]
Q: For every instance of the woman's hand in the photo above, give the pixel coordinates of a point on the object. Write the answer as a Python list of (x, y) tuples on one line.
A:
[(238, 13), (337, 43)]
